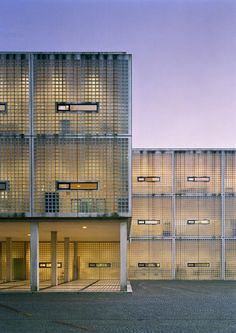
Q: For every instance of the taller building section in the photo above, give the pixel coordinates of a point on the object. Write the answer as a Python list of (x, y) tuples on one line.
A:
[(65, 134)]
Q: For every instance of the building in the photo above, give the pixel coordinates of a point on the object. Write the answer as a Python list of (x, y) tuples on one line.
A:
[(65, 182), (184, 214), (65, 166)]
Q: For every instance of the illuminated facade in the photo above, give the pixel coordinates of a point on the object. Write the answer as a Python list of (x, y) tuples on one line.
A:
[(65, 182), (184, 214), (65, 165)]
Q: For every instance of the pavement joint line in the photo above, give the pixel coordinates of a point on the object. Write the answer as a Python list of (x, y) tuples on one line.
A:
[(88, 286), (65, 323), (27, 314)]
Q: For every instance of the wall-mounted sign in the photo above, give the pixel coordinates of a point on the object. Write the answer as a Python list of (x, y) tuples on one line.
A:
[(198, 264), (99, 264), (149, 264), (49, 265)]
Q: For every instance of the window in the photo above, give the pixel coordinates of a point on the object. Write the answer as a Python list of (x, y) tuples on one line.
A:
[(99, 265), (149, 222), (205, 221), (90, 205), (49, 265), (3, 107), (77, 107), (3, 185), (151, 179), (203, 179), (149, 264), (198, 264), (51, 202), (79, 186)]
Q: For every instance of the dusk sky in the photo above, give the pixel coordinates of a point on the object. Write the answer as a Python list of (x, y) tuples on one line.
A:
[(184, 58)]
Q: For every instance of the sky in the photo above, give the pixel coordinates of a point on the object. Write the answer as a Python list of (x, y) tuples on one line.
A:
[(184, 59)]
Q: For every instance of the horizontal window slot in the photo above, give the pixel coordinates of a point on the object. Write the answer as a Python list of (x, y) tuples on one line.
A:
[(202, 179), (149, 222), (149, 264), (77, 107), (198, 264), (49, 265), (77, 186), (151, 179), (203, 222), (99, 265)]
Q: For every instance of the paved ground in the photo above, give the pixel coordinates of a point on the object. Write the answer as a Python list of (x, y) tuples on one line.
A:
[(73, 286), (154, 306)]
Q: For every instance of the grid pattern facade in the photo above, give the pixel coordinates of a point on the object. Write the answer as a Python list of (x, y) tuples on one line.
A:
[(188, 200), (41, 145)]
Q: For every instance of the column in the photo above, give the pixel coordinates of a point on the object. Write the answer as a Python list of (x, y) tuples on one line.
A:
[(123, 256), (54, 280), (8, 259), (75, 262), (0, 261), (34, 256), (66, 259)]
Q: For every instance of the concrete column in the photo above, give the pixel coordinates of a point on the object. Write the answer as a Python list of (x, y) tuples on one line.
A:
[(54, 280), (123, 256), (75, 262), (0, 260), (9, 272), (66, 259), (34, 256)]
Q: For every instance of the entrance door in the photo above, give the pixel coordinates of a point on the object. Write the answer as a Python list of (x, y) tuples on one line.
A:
[(19, 268)]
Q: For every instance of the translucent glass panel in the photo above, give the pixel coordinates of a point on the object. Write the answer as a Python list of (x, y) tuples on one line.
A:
[(198, 216), (197, 164), (14, 91), (149, 252), (230, 174), (19, 261), (230, 259), (152, 164), (14, 169), (102, 79), (103, 253), (230, 216), (201, 253), (151, 208), (45, 257), (101, 160)]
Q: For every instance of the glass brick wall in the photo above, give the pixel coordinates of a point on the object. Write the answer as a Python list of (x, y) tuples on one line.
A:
[(42, 144), (187, 199)]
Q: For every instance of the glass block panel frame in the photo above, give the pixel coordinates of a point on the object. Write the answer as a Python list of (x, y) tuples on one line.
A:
[(197, 164), (14, 169), (198, 208), (230, 260), (82, 159), (151, 208), (198, 251), (73, 78), (144, 251), (153, 164), (14, 91)]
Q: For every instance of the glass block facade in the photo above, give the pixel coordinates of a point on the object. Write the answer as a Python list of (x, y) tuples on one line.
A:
[(186, 199), (43, 144)]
